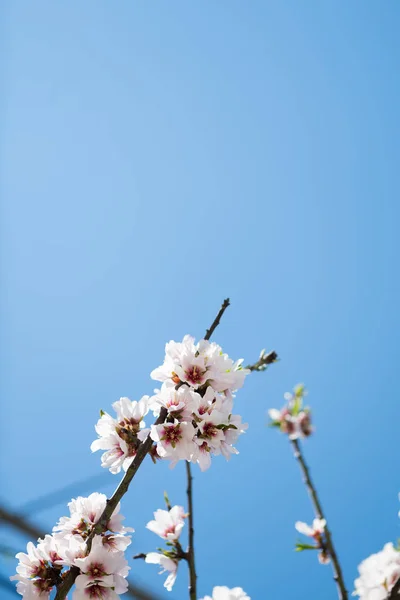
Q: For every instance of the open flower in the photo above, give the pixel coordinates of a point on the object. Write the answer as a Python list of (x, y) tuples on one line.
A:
[(174, 440), (315, 531), (102, 589), (102, 568), (168, 524), (121, 436), (180, 403), (166, 564), (85, 512), (198, 364)]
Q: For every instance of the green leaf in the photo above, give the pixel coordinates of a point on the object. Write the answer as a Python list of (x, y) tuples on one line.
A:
[(300, 547), (102, 413)]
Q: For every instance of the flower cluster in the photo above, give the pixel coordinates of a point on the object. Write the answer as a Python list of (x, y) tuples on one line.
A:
[(224, 593), (317, 532), (121, 436), (198, 381), (103, 570), (293, 419), (378, 574), (168, 525)]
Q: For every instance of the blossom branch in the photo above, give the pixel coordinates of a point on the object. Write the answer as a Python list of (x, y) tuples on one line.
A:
[(338, 576), (190, 552), (111, 505), (19, 522)]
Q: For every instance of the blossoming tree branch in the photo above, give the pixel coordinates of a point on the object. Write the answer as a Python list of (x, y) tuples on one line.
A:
[(194, 421)]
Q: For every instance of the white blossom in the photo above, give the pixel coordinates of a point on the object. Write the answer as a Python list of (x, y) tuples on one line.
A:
[(32, 563), (198, 364), (102, 589), (168, 524), (35, 572), (180, 403), (121, 436), (224, 593), (314, 531), (31, 589), (166, 564), (293, 419), (85, 512), (174, 440), (378, 574)]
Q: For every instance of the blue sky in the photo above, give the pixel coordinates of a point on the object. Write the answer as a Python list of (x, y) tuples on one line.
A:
[(157, 157)]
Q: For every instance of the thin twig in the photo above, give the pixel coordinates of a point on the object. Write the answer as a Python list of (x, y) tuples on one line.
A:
[(217, 319), (263, 361), (337, 571), (190, 552), (111, 505)]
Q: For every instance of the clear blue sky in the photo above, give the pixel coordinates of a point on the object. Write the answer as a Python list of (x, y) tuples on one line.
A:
[(157, 157)]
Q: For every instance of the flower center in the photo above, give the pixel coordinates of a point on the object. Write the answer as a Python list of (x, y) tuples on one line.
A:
[(209, 430), (96, 570), (172, 435), (195, 375), (96, 591)]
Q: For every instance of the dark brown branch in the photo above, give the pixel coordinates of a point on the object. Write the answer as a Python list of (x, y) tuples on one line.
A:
[(190, 552), (263, 361), (217, 319), (337, 571), (394, 594), (190, 555), (19, 522), (111, 505)]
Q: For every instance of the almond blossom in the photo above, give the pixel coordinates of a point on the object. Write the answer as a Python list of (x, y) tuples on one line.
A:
[(174, 440), (378, 574), (317, 533), (293, 419), (102, 589), (37, 589), (180, 403), (168, 524), (103, 570), (224, 593), (166, 564), (101, 567), (36, 574), (121, 436), (84, 513), (198, 364)]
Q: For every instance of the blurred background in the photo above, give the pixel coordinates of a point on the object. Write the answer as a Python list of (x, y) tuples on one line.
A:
[(157, 157)]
